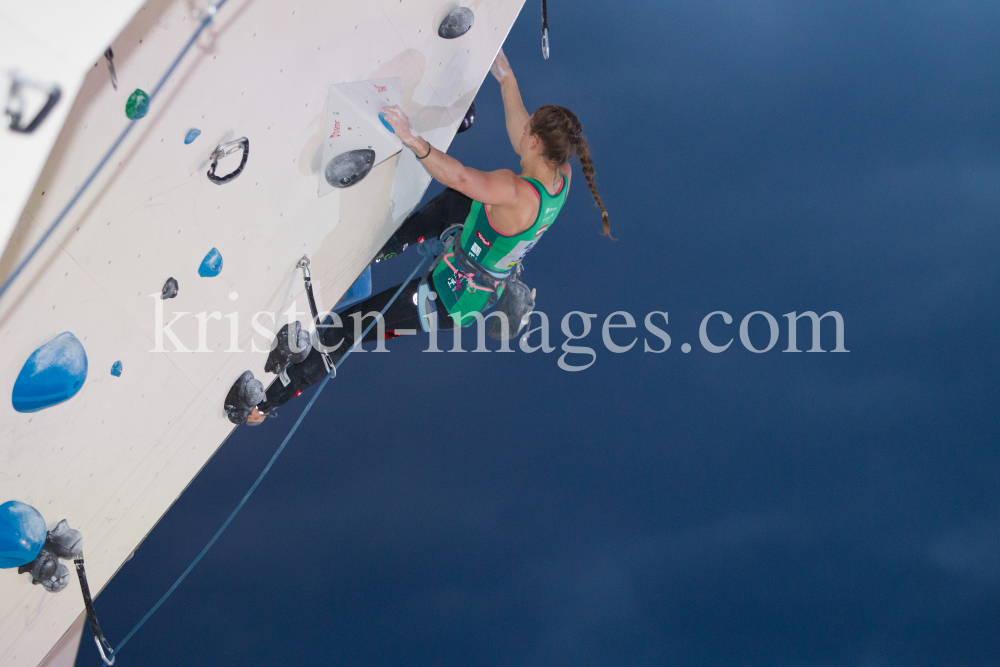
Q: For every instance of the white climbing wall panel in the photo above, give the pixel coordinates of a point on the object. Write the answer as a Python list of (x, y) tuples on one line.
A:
[(51, 42), (112, 459)]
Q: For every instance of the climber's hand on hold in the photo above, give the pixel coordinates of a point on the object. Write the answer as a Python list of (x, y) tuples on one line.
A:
[(402, 127)]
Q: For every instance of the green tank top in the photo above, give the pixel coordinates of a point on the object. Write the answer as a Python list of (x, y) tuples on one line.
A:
[(496, 252)]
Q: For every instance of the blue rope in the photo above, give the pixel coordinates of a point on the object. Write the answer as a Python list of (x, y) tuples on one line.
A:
[(270, 463), (107, 156)]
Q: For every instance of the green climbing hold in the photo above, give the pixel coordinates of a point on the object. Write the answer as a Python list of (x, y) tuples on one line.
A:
[(137, 105)]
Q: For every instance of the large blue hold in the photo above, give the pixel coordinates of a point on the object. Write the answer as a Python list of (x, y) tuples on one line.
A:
[(360, 290), (211, 266), (22, 534), (52, 374)]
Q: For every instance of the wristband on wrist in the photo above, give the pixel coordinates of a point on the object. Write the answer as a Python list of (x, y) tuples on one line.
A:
[(429, 149)]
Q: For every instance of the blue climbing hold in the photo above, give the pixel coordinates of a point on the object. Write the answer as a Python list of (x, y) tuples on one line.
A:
[(382, 117), (52, 374), (191, 135), (211, 266), (359, 291), (22, 534), (116, 369)]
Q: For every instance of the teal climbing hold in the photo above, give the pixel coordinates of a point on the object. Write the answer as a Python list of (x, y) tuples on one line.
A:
[(137, 105), (191, 135), (52, 374), (22, 534), (116, 369), (211, 266)]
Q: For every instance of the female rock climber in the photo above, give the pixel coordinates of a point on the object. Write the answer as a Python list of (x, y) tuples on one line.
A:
[(502, 216)]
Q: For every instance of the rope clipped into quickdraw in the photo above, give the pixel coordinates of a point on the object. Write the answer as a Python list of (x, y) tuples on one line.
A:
[(103, 647), (545, 30), (270, 463)]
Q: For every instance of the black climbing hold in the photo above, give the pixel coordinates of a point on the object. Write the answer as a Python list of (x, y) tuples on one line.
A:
[(169, 290), (282, 353), (457, 23), (243, 396), (348, 168), (470, 118)]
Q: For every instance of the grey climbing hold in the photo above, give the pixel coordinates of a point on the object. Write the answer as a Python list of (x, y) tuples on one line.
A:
[(57, 581), (169, 290), (348, 168), (283, 352), (42, 568), (457, 23), (60, 542), (243, 396), (116, 369), (191, 135), (211, 266), (63, 541)]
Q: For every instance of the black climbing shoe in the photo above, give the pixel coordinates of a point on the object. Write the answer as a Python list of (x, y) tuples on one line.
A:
[(281, 352), (243, 396)]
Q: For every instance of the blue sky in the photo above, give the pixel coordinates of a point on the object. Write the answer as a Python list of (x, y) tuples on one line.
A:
[(661, 509)]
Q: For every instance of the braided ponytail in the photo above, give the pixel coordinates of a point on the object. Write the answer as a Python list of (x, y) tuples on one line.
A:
[(562, 135), (587, 164)]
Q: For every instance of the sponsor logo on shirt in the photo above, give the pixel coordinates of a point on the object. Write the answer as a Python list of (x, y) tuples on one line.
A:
[(539, 232), (475, 249), (479, 235), (549, 210)]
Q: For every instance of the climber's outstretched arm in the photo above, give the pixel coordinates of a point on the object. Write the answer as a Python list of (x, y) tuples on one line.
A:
[(488, 187)]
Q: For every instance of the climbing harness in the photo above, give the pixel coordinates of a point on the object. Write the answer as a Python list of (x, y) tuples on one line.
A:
[(228, 148), (469, 272), (53, 98), (103, 647), (267, 468), (545, 30)]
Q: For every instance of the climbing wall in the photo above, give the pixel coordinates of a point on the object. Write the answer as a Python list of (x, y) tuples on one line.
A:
[(50, 43), (112, 458)]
